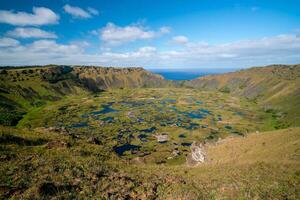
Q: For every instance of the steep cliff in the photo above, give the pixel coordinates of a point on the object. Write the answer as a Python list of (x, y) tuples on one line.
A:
[(101, 78)]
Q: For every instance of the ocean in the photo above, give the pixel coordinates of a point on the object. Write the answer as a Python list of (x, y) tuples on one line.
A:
[(180, 75)]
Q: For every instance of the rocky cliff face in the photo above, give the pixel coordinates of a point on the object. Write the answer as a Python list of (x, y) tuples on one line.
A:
[(101, 78), (93, 78)]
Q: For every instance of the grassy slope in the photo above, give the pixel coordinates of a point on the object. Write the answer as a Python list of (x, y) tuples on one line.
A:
[(38, 164), (42, 164), (27, 88), (280, 146), (264, 165), (273, 87)]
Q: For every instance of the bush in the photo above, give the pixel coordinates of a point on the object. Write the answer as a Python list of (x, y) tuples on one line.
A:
[(10, 118), (225, 89), (4, 71)]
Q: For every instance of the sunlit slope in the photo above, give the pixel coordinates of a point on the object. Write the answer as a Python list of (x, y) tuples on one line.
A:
[(25, 88), (260, 166), (102, 78), (276, 88), (281, 146), (47, 164)]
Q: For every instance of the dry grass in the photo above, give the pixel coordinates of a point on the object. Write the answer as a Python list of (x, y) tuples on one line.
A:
[(281, 146)]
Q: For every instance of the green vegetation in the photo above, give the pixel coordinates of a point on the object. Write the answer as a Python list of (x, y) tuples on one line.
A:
[(225, 89), (273, 87), (128, 134)]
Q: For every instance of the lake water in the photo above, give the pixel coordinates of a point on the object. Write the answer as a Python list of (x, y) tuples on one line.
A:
[(190, 74), (120, 150)]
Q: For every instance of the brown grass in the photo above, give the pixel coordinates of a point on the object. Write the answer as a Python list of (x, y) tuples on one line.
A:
[(280, 146)]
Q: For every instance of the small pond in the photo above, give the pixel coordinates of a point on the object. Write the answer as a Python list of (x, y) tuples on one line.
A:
[(79, 125), (149, 130), (106, 109), (228, 127), (120, 150), (108, 119), (142, 137), (186, 144)]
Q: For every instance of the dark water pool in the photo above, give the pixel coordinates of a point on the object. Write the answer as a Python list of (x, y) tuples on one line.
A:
[(239, 113), (191, 126), (85, 116), (195, 115), (164, 101), (162, 142), (106, 109), (207, 112), (237, 133), (108, 119), (149, 130), (199, 103), (228, 127), (120, 150), (79, 125), (186, 144), (142, 137)]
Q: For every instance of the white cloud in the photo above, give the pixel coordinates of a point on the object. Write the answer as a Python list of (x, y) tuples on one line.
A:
[(40, 16), (48, 51), (269, 50), (50, 46), (116, 35), (77, 12), (40, 52), (30, 33), (180, 39), (93, 11), (8, 42), (165, 30), (81, 43)]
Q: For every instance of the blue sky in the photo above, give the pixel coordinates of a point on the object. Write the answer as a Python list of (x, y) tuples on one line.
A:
[(150, 33)]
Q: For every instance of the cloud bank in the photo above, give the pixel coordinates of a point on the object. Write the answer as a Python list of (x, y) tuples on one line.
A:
[(276, 49), (112, 34), (30, 33), (40, 16), (8, 42), (180, 39)]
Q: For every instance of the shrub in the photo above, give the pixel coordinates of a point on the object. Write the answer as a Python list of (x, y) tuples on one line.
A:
[(225, 89)]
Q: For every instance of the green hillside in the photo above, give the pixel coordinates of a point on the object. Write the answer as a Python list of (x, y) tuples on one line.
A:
[(126, 133), (25, 88), (274, 88)]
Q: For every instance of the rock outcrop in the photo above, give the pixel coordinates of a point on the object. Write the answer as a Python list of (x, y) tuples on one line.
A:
[(162, 138), (197, 155)]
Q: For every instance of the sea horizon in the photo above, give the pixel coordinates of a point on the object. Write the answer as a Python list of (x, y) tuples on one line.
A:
[(181, 74)]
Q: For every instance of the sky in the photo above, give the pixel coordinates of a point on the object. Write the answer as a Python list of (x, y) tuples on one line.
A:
[(168, 34)]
